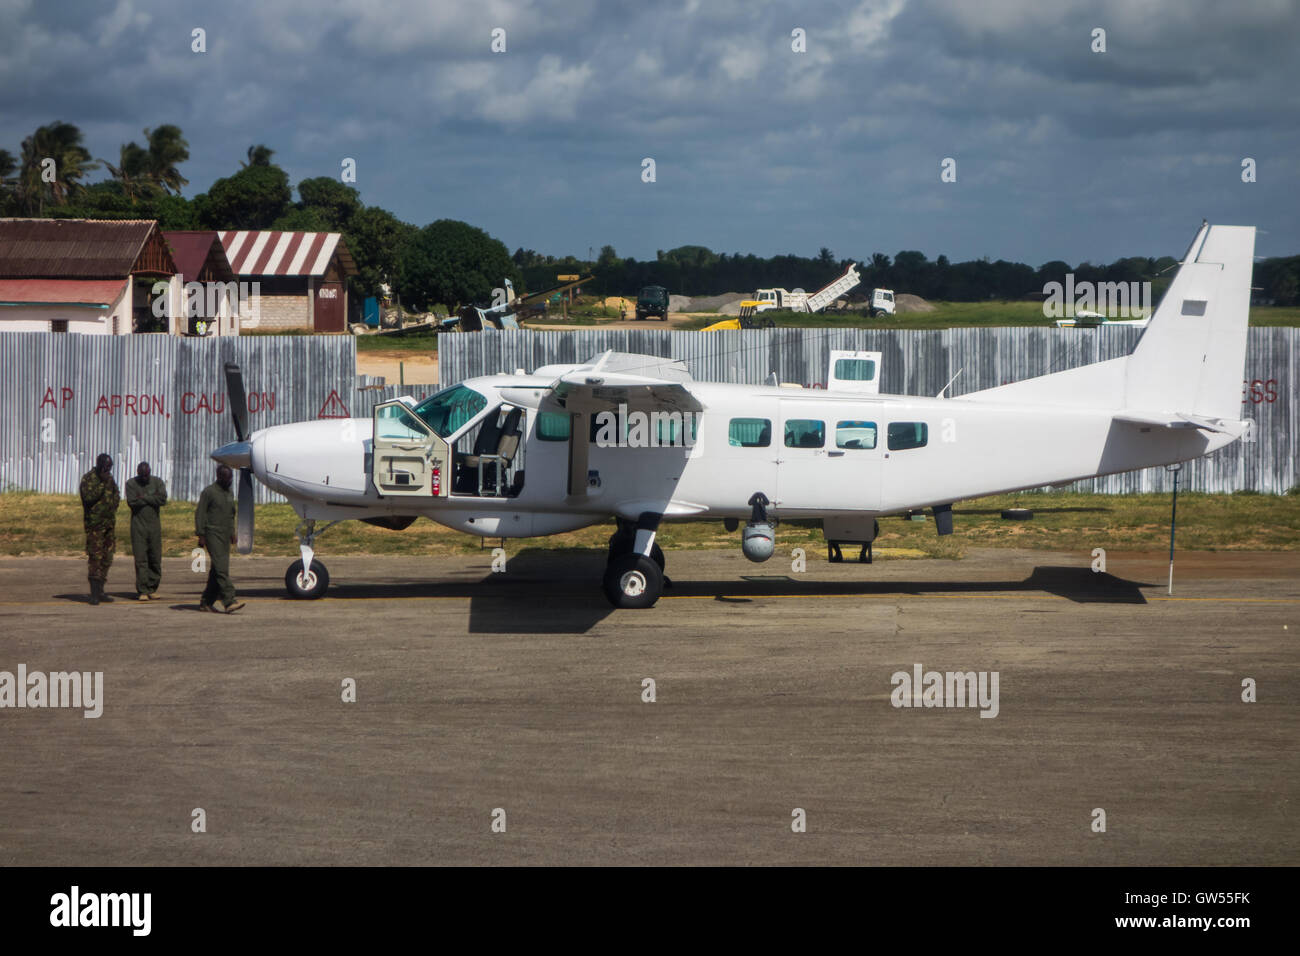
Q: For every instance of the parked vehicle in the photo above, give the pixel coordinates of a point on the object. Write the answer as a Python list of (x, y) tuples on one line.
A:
[(652, 301)]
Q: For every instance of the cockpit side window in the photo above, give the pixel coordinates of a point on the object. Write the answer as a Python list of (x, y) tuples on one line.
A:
[(449, 410)]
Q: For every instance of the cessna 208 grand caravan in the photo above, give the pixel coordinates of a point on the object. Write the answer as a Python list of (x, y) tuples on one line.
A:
[(522, 455)]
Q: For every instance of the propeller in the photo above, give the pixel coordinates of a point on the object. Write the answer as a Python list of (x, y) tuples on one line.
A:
[(239, 454), (238, 401)]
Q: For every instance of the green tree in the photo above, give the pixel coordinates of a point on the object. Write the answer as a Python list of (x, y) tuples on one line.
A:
[(176, 212), (166, 150), (335, 202), (376, 238), (8, 182), (60, 142), (253, 198), (298, 219), (259, 155), (452, 262), (1285, 287), (132, 170)]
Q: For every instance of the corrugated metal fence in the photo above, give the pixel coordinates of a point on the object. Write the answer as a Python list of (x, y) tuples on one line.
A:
[(921, 363), (66, 398)]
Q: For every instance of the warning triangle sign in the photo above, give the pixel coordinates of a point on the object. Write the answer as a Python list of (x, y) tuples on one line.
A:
[(333, 407)]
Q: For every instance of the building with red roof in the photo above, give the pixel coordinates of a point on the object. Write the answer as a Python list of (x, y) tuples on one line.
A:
[(80, 275), (205, 297)]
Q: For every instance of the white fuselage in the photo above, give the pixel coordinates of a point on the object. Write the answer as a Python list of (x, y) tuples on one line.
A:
[(970, 449)]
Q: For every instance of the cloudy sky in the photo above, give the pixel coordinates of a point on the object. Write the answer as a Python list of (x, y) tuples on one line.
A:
[(1060, 152)]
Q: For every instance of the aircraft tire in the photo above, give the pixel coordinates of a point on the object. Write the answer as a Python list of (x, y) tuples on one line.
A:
[(310, 589), (621, 544), (633, 581)]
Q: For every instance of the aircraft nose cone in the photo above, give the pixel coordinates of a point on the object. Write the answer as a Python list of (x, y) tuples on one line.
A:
[(238, 454)]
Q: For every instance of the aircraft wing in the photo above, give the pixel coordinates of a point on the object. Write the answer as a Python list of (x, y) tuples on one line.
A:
[(641, 382), (638, 394)]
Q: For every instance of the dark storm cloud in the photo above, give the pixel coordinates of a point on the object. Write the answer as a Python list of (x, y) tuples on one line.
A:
[(1062, 153)]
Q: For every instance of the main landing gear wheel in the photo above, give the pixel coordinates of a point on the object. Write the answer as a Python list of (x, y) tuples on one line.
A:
[(307, 586), (633, 581), (620, 544)]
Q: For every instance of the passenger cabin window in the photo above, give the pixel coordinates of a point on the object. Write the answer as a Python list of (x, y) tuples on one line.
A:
[(855, 434), (904, 435), (805, 433), (855, 370), (669, 428), (605, 428), (553, 426), (750, 432)]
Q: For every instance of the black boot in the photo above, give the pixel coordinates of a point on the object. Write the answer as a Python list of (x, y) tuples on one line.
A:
[(94, 590), (103, 595)]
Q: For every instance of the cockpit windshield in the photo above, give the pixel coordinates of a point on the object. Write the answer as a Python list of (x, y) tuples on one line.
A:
[(450, 409)]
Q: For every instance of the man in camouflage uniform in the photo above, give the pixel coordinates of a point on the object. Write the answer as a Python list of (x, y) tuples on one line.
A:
[(214, 523), (99, 501), (145, 494)]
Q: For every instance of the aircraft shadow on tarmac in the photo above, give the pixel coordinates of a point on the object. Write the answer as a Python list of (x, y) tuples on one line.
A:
[(557, 592)]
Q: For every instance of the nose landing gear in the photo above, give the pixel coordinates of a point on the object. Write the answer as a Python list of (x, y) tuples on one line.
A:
[(307, 578)]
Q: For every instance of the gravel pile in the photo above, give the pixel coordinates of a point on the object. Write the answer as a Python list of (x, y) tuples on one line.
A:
[(679, 303), (718, 301), (904, 302)]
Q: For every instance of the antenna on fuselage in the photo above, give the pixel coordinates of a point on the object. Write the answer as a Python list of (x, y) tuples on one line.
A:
[(950, 381)]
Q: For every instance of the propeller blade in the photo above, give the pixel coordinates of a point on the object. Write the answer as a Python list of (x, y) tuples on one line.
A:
[(238, 400), (244, 537)]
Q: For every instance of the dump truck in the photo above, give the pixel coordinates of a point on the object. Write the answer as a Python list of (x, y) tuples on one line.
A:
[(881, 303), (653, 300)]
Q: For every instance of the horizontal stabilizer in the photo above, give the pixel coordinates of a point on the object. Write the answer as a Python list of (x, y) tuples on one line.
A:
[(1162, 420)]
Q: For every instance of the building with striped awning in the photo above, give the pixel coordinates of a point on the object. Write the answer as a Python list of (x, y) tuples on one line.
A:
[(301, 278)]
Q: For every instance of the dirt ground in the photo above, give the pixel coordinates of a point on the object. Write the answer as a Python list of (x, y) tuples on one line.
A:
[(419, 368), (522, 696), (674, 319)]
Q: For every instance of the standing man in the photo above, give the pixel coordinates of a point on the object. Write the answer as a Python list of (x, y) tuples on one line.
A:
[(214, 523), (144, 496), (99, 501)]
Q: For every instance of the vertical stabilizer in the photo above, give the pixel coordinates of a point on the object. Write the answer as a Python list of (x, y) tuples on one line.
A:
[(1191, 358)]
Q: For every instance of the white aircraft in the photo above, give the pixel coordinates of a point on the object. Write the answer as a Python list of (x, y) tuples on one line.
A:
[(635, 438)]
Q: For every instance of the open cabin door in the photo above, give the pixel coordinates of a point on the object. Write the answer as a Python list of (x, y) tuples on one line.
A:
[(409, 458)]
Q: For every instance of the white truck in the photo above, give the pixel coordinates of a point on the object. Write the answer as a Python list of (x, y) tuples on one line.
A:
[(882, 300)]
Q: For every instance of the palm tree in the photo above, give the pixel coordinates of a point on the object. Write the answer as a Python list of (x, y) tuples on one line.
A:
[(259, 155), (132, 170), (60, 142), (167, 149)]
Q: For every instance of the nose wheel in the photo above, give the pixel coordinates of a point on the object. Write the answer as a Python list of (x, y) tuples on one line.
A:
[(306, 579), (308, 584)]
